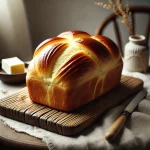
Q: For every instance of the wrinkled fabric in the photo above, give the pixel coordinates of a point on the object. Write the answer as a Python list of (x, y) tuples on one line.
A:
[(134, 135)]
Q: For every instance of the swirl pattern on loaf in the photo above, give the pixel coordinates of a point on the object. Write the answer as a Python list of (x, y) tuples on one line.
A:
[(73, 69)]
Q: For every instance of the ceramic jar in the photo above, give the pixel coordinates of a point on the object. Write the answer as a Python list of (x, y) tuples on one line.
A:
[(136, 54)]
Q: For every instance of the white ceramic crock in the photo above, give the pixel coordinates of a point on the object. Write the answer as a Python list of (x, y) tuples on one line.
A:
[(136, 54)]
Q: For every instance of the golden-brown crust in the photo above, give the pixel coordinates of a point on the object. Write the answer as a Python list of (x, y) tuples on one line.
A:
[(49, 42), (72, 69), (96, 48), (109, 44), (37, 91), (46, 59), (74, 34), (76, 69)]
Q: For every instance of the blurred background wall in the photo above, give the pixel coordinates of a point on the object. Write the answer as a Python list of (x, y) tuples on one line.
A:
[(26, 23), (15, 37)]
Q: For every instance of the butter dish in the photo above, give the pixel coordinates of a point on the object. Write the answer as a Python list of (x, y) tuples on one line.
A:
[(13, 78)]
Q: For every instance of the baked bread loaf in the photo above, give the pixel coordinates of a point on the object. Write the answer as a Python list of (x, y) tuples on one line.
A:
[(72, 69)]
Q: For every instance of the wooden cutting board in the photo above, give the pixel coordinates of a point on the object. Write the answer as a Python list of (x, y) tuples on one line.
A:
[(19, 107)]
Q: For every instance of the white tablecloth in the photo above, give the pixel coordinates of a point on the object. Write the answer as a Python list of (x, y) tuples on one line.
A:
[(135, 134)]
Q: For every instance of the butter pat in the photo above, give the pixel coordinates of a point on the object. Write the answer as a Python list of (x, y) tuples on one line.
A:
[(13, 65)]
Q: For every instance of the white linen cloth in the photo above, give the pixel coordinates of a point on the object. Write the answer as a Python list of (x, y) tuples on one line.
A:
[(134, 135)]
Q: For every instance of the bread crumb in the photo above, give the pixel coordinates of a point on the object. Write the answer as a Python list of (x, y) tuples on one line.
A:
[(3, 91), (21, 97)]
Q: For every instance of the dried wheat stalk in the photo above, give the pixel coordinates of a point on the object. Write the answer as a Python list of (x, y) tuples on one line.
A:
[(123, 12)]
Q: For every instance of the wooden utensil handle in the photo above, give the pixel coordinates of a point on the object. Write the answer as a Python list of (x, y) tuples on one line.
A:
[(115, 128)]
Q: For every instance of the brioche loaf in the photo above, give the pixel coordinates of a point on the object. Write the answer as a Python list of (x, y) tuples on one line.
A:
[(72, 69)]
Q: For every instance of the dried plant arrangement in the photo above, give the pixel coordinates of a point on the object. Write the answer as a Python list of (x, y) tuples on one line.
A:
[(122, 12)]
